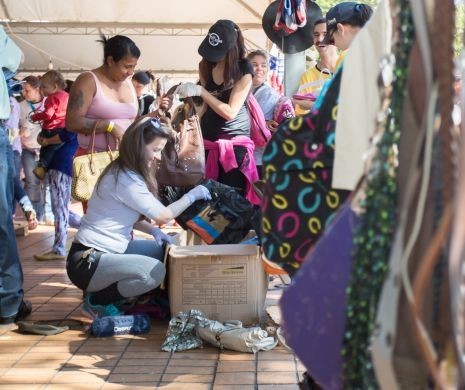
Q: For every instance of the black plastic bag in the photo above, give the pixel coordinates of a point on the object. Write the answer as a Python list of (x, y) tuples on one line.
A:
[(225, 219)]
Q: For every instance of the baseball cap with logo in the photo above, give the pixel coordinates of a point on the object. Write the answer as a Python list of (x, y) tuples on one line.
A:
[(221, 37), (340, 13)]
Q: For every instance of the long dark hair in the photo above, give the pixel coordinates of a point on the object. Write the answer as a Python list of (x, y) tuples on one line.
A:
[(232, 72), (118, 47), (131, 151)]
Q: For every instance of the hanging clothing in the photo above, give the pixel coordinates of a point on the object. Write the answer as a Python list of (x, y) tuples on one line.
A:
[(359, 98), (221, 152)]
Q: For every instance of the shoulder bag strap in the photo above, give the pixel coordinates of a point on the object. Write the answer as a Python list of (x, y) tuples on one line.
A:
[(90, 147)]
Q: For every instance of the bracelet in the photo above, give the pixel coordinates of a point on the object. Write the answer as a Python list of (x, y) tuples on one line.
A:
[(110, 126)]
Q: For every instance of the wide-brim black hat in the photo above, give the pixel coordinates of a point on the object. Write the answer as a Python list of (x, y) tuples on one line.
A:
[(299, 40)]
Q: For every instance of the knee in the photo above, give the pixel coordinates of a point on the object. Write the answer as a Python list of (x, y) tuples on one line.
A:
[(158, 273)]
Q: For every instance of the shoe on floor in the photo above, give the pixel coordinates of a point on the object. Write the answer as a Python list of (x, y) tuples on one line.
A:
[(49, 256), (95, 311), (25, 308), (41, 329), (39, 172)]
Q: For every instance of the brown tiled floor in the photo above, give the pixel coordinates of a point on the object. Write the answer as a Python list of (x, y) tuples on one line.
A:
[(75, 360)]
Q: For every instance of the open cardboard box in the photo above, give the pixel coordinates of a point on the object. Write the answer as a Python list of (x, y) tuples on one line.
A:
[(225, 282)]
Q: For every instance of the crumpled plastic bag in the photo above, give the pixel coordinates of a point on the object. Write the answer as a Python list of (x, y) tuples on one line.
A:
[(180, 335), (187, 330), (231, 335)]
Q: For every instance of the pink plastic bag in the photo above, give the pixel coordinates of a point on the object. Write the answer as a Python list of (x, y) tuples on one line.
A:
[(283, 109)]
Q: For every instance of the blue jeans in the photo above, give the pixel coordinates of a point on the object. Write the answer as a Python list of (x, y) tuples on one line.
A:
[(34, 188), (19, 190), (11, 273)]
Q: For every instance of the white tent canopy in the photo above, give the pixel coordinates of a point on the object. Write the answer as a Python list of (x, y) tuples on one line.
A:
[(65, 31)]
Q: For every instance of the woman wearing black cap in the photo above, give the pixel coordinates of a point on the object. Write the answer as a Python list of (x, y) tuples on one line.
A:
[(343, 22), (225, 82)]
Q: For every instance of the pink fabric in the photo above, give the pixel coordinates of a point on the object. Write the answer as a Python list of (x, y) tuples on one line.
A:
[(222, 152), (123, 114)]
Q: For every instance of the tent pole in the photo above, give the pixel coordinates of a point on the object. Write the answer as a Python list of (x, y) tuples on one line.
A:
[(294, 66)]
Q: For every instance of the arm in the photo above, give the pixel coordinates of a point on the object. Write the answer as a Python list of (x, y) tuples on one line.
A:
[(61, 137), (304, 104), (238, 95), (159, 237), (166, 102), (144, 226), (132, 191), (49, 110), (80, 98)]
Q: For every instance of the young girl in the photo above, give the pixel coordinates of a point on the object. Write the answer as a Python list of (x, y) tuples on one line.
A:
[(52, 85), (226, 80), (103, 260)]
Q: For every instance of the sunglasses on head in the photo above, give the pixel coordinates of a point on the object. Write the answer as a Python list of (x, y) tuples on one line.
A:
[(155, 123)]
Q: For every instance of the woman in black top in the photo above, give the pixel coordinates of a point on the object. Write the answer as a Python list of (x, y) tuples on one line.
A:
[(225, 82)]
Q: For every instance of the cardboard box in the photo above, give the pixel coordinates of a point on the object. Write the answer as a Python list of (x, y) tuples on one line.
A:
[(225, 282)]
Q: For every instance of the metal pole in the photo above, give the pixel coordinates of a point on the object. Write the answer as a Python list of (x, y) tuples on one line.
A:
[(294, 66)]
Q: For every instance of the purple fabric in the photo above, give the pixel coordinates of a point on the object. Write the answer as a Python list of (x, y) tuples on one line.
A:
[(313, 306), (152, 310)]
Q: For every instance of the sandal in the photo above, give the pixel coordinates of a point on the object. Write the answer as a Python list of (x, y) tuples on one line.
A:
[(42, 329)]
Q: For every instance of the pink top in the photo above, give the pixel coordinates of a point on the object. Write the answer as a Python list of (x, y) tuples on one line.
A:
[(222, 152), (123, 114)]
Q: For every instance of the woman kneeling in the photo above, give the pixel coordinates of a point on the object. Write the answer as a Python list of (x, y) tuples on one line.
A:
[(103, 260)]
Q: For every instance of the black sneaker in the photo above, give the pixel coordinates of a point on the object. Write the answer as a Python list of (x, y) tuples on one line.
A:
[(24, 310)]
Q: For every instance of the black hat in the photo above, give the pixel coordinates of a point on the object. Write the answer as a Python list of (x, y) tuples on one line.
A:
[(299, 40), (340, 13), (221, 37)]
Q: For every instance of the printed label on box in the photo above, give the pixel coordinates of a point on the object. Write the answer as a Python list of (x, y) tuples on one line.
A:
[(206, 284)]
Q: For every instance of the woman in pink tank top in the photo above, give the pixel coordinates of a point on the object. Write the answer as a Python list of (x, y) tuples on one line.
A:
[(105, 98)]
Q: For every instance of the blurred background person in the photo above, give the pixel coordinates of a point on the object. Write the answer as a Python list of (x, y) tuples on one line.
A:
[(37, 191), (143, 81)]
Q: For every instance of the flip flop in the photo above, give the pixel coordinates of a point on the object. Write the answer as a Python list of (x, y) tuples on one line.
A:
[(41, 329)]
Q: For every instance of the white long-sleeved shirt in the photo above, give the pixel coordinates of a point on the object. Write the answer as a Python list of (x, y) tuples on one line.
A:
[(113, 210)]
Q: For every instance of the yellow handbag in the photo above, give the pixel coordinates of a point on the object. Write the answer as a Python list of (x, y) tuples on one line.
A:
[(88, 168)]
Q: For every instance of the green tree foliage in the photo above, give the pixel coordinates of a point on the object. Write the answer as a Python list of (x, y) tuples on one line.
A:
[(459, 29)]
